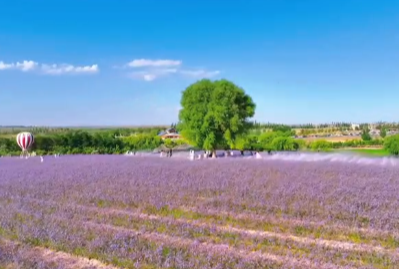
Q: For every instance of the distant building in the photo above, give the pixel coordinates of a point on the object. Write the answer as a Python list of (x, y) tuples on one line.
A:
[(372, 127), (170, 133), (354, 126)]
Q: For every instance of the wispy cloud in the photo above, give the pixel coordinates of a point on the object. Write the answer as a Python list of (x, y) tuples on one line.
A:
[(152, 74), (149, 77), (201, 73), (49, 69), (22, 66), (154, 69), (153, 63), (55, 69)]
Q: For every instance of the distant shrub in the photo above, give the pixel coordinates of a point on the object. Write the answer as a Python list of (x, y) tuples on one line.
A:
[(322, 145), (391, 144), (285, 144), (366, 135), (383, 132), (301, 143)]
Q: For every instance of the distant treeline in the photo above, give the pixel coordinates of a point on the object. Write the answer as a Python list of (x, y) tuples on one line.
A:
[(156, 129), (59, 130), (83, 142), (118, 142), (332, 127)]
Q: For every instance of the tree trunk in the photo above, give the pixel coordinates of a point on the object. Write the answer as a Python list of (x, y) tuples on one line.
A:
[(242, 153), (213, 153)]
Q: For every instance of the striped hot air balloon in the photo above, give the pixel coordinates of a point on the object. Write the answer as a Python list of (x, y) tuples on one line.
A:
[(24, 141)]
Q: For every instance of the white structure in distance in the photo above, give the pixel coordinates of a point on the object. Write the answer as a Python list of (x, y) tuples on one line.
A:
[(192, 155)]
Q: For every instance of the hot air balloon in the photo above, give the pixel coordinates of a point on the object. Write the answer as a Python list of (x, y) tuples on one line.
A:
[(24, 141)]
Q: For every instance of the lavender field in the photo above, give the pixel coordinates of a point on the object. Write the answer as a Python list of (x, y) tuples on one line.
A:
[(148, 212)]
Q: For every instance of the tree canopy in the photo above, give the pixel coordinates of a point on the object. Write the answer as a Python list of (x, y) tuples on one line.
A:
[(383, 132), (366, 134), (214, 113), (391, 144)]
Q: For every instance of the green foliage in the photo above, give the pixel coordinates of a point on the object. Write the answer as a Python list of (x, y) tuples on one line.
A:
[(242, 143), (357, 143), (267, 137), (391, 144), (266, 140), (366, 134), (11, 131), (141, 142), (383, 132), (247, 142), (283, 129), (301, 144), (321, 145), (284, 143), (169, 143), (214, 113), (370, 152), (82, 142)]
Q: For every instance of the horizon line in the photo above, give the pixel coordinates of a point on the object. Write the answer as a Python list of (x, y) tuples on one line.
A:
[(165, 125)]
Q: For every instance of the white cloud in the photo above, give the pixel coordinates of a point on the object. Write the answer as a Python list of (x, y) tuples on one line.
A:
[(55, 69), (152, 74), (153, 63), (4, 66), (201, 73), (149, 77), (22, 66), (51, 69), (152, 69), (26, 65)]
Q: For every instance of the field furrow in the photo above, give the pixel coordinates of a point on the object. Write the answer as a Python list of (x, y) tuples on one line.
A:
[(276, 220), (192, 246), (236, 238), (31, 257), (142, 213), (220, 249), (126, 248), (363, 239), (201, 222)]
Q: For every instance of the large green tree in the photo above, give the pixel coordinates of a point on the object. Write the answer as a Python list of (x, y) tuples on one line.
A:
[(214, 113)]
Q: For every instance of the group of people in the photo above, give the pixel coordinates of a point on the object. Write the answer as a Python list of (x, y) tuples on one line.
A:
[(208, 154), (168, 153)]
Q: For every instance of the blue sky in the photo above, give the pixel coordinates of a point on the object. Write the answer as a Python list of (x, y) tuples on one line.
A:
[(97, 62)]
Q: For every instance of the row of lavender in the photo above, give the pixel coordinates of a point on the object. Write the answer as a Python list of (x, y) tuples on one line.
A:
[(159, 212)]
